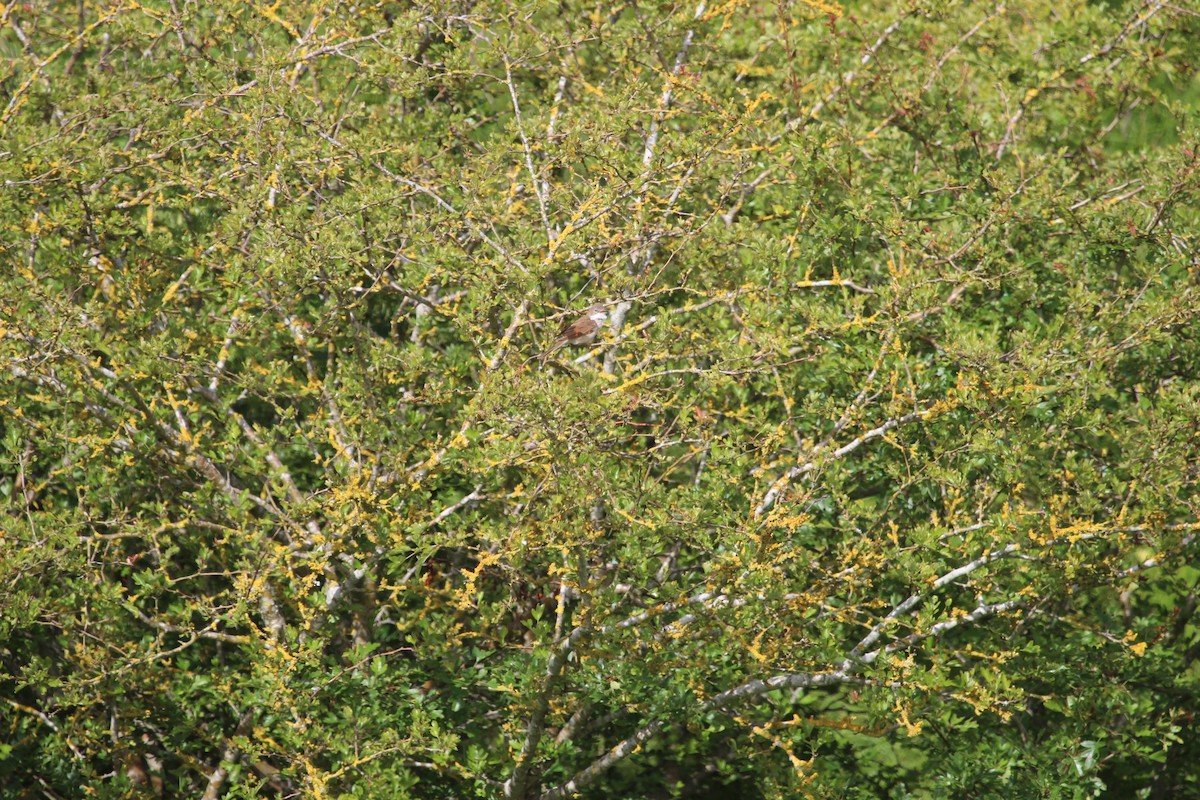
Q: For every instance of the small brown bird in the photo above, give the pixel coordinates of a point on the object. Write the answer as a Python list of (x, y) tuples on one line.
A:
[(580, 332)]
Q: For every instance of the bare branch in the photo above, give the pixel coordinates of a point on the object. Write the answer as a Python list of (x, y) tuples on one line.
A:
[(816, 459), (915, 599), (664, 102), (848, 78), (539, 187), (517, 784), (464, 219)]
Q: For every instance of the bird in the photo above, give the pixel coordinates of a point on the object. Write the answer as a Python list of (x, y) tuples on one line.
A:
[(580, 332)]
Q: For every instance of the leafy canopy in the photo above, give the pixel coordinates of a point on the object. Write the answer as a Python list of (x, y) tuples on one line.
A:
[(879, 482)]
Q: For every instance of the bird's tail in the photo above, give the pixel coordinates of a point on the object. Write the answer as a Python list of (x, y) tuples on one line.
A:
[(551, 350)]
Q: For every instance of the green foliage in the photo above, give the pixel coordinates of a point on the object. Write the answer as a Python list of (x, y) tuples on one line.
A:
[(878, 482)]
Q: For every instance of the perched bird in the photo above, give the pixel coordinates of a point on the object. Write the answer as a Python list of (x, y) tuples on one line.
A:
[(580, 332)]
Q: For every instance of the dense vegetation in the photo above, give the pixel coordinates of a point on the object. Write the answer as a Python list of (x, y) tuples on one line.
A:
[(880, 480)]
